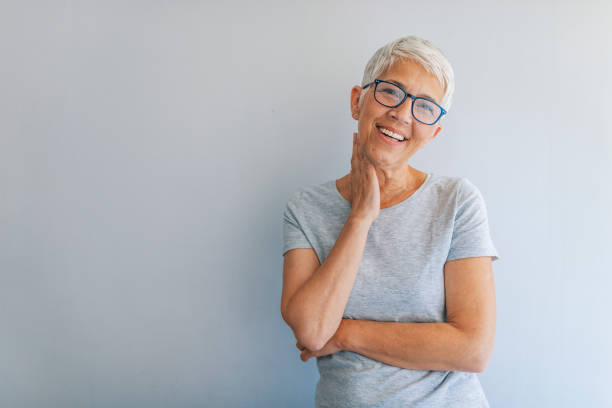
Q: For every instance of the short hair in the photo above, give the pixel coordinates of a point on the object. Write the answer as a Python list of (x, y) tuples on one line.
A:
[(419, 50)]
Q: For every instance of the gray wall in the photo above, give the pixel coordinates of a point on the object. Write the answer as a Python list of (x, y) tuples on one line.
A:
[(147, 150)]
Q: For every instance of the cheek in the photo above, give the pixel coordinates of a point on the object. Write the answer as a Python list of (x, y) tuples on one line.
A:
[(421, 134), (367, 130)]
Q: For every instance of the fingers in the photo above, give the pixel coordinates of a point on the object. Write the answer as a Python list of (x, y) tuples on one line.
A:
[(357, 152), (304, 355), (355, 156), (357, 149), (361, 153)]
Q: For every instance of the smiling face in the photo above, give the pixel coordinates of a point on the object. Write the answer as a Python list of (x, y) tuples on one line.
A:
[(383, 151)]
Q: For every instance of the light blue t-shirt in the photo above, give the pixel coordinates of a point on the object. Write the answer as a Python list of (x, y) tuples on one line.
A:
[(400, 279)]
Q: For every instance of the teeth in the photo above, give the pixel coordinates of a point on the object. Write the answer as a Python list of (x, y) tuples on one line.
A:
[(390, 133)]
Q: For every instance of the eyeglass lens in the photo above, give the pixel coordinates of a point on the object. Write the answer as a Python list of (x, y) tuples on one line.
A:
[(423, 110)]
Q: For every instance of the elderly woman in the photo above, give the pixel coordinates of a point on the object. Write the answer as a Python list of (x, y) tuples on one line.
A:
[(387, 272)]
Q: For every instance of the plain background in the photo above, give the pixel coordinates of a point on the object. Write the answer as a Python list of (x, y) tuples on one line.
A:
[(147, 150)]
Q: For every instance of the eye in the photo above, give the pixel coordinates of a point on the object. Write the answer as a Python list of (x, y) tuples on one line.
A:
[(390, 91), (423, 104)]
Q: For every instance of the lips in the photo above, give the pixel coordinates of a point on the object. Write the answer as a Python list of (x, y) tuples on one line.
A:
[(392, 130), (389, 140)]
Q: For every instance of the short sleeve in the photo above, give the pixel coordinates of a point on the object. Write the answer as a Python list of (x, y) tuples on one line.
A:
[(293, 234), (471, 235)]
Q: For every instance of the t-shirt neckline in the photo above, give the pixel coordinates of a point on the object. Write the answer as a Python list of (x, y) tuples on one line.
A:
[(332, 184)]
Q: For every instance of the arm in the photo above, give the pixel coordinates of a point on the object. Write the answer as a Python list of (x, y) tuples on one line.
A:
[(463, 343), (313, 302), (313, 309)]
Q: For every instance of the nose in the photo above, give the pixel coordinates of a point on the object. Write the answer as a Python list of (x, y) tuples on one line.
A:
[(403, 113)]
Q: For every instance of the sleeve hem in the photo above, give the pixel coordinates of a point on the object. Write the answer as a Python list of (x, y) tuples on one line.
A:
[(289, 248), (473, 252)]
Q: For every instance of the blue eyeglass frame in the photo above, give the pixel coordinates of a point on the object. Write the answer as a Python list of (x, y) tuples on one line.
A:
[(406, 95)]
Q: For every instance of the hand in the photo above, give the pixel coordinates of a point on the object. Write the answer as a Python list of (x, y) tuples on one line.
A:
[(365, 189), (332, 346)]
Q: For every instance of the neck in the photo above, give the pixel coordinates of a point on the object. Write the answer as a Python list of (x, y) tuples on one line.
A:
[(398, 185), (395, 185)]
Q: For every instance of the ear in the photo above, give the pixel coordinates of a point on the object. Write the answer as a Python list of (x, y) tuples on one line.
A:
[(355, 93)]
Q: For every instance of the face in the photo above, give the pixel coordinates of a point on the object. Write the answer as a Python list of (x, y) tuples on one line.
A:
[(384, 153)]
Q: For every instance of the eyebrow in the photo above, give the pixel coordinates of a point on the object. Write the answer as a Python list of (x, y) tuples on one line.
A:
[(404, 86)]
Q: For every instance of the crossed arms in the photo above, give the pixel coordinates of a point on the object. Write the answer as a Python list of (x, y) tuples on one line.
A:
[(315, 295)]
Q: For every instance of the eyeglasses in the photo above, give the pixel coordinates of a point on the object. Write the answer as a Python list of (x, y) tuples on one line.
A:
[(390, 95)]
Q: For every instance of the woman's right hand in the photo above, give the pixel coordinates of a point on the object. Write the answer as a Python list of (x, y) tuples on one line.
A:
[(365, 190)]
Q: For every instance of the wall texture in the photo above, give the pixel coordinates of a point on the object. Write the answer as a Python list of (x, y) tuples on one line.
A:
[(147, 150)]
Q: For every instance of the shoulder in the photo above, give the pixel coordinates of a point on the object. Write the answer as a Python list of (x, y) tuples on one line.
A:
[(312, 195), (452, 182), (316, 191), (456, 191), (451, 186)]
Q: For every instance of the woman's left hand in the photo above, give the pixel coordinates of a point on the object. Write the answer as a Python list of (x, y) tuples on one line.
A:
[(331, 347)]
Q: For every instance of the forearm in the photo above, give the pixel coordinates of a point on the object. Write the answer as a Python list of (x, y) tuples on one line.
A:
[(315, 310), (418, 346)]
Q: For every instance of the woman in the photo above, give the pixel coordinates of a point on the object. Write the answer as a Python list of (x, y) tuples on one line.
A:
[(387, 276)]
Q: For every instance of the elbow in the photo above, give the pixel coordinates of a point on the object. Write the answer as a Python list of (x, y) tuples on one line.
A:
[(478, 356), (308, 338), (483, 361), (477, 365), (305, 333), (480, 364), (313, 344), (485, 357)]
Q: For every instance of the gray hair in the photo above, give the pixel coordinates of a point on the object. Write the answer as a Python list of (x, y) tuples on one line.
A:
[(419, 50)]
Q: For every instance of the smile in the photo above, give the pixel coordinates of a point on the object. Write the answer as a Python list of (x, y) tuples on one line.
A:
[(390, 136)]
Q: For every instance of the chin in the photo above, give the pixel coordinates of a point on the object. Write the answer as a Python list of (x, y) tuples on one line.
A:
[(385, 159), (382, 161)]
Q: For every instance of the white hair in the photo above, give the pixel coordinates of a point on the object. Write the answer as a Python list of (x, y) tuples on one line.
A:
[(419, 50)]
